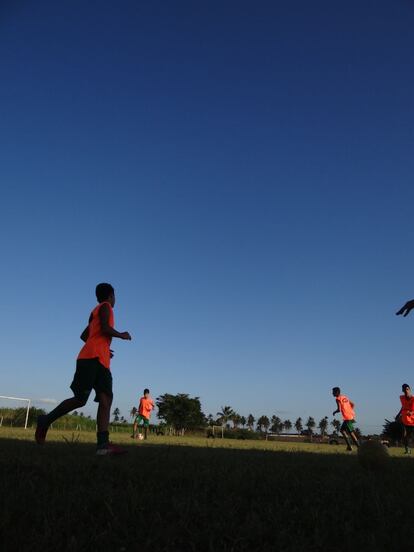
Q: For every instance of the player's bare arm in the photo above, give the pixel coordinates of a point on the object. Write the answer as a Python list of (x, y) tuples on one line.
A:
[(406, 309), (337, 409), (106, 328)]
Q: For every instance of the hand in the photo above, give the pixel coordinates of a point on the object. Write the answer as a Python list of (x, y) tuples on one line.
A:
[(111, 353), (406, 309), (126, 335), (333, 413)]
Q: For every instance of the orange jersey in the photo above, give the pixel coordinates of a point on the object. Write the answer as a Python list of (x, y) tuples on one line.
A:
[(345, 407), (145, 407), (407, 410), (97, 345)]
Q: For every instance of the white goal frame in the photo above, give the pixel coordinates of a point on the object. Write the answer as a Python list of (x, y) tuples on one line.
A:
[(28, 401), (217, 429)]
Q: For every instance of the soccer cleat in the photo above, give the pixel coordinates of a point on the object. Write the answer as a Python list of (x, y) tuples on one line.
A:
[(349, 448), (407, 451), (110, 450), (41, 430)]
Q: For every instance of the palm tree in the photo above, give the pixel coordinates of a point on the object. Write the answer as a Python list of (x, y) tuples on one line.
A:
[(210, 420), (133, 412), (310, 424), (250, 421), (243, 421), (276, 424), (287, 424), (336, 424), (263, 422), (299, 425), (323, 424), (116, 414), (236, 419), (225, 414)]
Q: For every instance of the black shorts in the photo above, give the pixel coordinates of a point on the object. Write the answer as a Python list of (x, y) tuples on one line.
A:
[(90, 374)]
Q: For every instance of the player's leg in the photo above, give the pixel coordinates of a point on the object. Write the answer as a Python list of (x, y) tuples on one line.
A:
[(146, 424), (104, 395), (140, 424), (102, 418), (354, 438), (134, 431), (406, 439), (410, 438), (81, 387), (345, 435), (352, 433)]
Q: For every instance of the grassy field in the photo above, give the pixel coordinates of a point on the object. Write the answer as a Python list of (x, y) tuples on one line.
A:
[(193, 494)]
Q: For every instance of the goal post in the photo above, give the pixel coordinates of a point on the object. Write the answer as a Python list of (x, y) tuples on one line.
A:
[(215, 431), (26, 401)]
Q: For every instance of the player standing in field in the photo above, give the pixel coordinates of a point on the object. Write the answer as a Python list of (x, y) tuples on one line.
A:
[(92, 372), (146, 405), (406, 415), (346, 408)]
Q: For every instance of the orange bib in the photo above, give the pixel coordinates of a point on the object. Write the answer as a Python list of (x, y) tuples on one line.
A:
[(407, 407), (345, 407), (145, 407), (98, 344)]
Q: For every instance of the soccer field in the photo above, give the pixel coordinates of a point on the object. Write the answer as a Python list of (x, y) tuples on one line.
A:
[(196, 494)]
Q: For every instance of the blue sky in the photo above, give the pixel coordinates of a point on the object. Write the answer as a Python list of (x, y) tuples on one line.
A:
[(240, 171)]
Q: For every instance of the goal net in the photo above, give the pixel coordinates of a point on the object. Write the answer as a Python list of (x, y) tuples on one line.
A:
[(215, 431), (14, 411)]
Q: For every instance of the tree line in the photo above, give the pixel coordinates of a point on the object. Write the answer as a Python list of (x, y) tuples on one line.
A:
[(227, 417), (182, 412)]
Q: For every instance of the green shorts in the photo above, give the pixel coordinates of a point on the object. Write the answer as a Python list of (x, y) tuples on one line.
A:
[(348, 425), (140, 418), (90, 374)]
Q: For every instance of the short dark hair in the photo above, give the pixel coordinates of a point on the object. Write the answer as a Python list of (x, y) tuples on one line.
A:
[(146, 391), (103, 291), (405, 386), (336, 391)]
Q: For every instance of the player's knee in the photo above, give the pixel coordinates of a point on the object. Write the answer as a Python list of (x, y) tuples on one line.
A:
[(80, 402)]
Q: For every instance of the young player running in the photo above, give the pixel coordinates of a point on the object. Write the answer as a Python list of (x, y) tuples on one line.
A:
[(92, 372), (346, 408), (146, 405), (406, 415)]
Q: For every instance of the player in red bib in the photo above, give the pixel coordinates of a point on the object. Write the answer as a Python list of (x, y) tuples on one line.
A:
[(406, 415), (346, 408), (92, 372)]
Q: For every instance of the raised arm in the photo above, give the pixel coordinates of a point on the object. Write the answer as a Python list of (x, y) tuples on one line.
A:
[(106, 328), (406, 309)]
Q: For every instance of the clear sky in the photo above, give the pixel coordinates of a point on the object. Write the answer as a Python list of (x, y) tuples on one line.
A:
[(242, 172)]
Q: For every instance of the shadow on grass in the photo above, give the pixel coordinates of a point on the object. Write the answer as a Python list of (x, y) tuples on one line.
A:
[(167, 497)]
